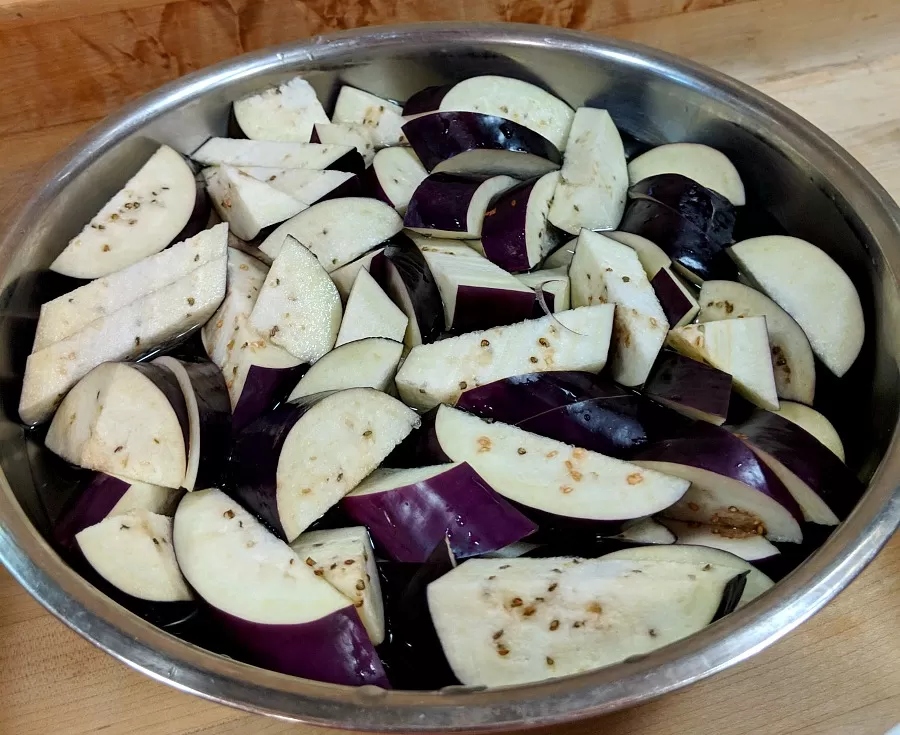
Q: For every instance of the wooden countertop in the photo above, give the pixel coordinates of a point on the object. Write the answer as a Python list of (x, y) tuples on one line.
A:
[(66, 63)]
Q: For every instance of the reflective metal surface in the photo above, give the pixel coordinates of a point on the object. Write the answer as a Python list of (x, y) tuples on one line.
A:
[(794, 172)]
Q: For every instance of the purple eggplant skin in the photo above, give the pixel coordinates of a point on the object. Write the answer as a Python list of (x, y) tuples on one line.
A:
[(352, 187), (214, 408), (812, 462), (426, 100), (199, 218), (407, 522), (482, 308), (439, 136), (679, 380), (168, 384), (681, 241), (633, 146), (503, 235), (87, 508), (441, 202), (420, 447), (671, 298), (263, 389), (352, 162), (710, 212), (335, 649)]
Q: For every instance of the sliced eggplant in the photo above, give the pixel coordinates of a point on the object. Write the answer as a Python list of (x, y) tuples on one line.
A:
[(605, 271), (512, 621), (345, 276), (814, 424), (593, 181), (383, 118), (356, 135), (453, 205), (739, 347), (748, 546), (344, 557), (570, 340), (285, 466), (691, 387), (652, 257), (813, 289), (140, 220), (287, 112), (283, 616), (730, 486), (298, 307), (792, 357), (366, 363), (410, 511), (702, 164), (277, 154), (476, 293), (337, 231), (394, 175), (370, 313), (516, 234), (561, 258), (676, 299), (645, 531), (550, 285), (305, 184)]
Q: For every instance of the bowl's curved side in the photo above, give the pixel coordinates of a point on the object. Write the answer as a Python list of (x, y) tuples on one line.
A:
[(649, 92)]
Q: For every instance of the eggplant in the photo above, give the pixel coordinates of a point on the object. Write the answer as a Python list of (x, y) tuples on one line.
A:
[(476, 293), (561, 258), (739, 347), (730, 486), (692, 253), (676, 299), (820, 482), (277, 154), (814, 424), (792, 357), (453, 205), (298, 307), (690, 387), (645, 531), (605, 271), (345, 276), (478, 144), (283, 616), (652, 257), (381, 117), (141, 219), (394, 175), (344, 558), (125, 419), (409, 511), (370, 313), (209, 420), (309, 186), (551, 286), (571, 340), (337, 231), (503, 622), (748, 546), (550, 480), (594, 179), (284, 466), (366, 363), (287, 112), (706, 166), (819, 295)]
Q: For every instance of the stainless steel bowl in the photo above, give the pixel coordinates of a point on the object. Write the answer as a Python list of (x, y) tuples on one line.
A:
[(793, 171)]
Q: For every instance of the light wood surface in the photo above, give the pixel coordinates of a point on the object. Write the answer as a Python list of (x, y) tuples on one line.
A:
[(66, 63)]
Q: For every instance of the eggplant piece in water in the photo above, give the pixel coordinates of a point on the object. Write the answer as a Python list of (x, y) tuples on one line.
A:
[(365, 363), (690, 387), (277, 154), (287, 112)]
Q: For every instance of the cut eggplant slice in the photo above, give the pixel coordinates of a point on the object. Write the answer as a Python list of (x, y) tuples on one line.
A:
[(345, 276), (287, 112), (305, 185), (209, 419), (356, 135), (410, 511), (394, 175), (730, 486), (703, 164), (337, 231), (552, 286), (748, 546), (652, 257), (516, 234), (285, 466), (691, 387), (815, 424), (479, 144), (476, 293), (366, 363), (453, 205), (605, 271), (593, 181), (813, 289), (283, 616), (140, 220), (247, 204), (125, 419), (792, 357), (370, 313), (676, 299), (298, 307), (552, 477), (570, 340), (512, 621), (561, 258), (276, 154), (383, 118), (645, 531), (739, 347), (344, 557)]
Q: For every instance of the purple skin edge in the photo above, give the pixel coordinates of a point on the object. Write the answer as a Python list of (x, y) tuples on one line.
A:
[(263, 387), (482, 308), (690, 383), (504, 235), (88, 508), (214, 409), (441, 202), (168, 384), (673, 301)]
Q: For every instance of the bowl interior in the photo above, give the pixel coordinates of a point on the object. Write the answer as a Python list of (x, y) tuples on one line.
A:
[(797, 181)]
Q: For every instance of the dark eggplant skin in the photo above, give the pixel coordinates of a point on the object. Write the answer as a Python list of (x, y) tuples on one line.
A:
[(681, 381), (478, 307), (168, 384), (263, 389), (671, 298), (731, 596), (88, 507), (633, 146), (439, 136), (214, 408), (426, 100), (441, 202), (682, 242), (710, 212), (352, 162)]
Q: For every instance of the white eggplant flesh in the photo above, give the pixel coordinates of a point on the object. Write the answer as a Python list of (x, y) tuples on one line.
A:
[(748, 546), (651, 255), (287, 112), (366, 363), (383, 118), (813, 423), (398, 172), (271, 154), (306, 185), (552, 284), (370, 313), (356, 135), (345, 276)]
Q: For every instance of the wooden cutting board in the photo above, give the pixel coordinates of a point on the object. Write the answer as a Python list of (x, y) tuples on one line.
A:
[(66, 63)]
